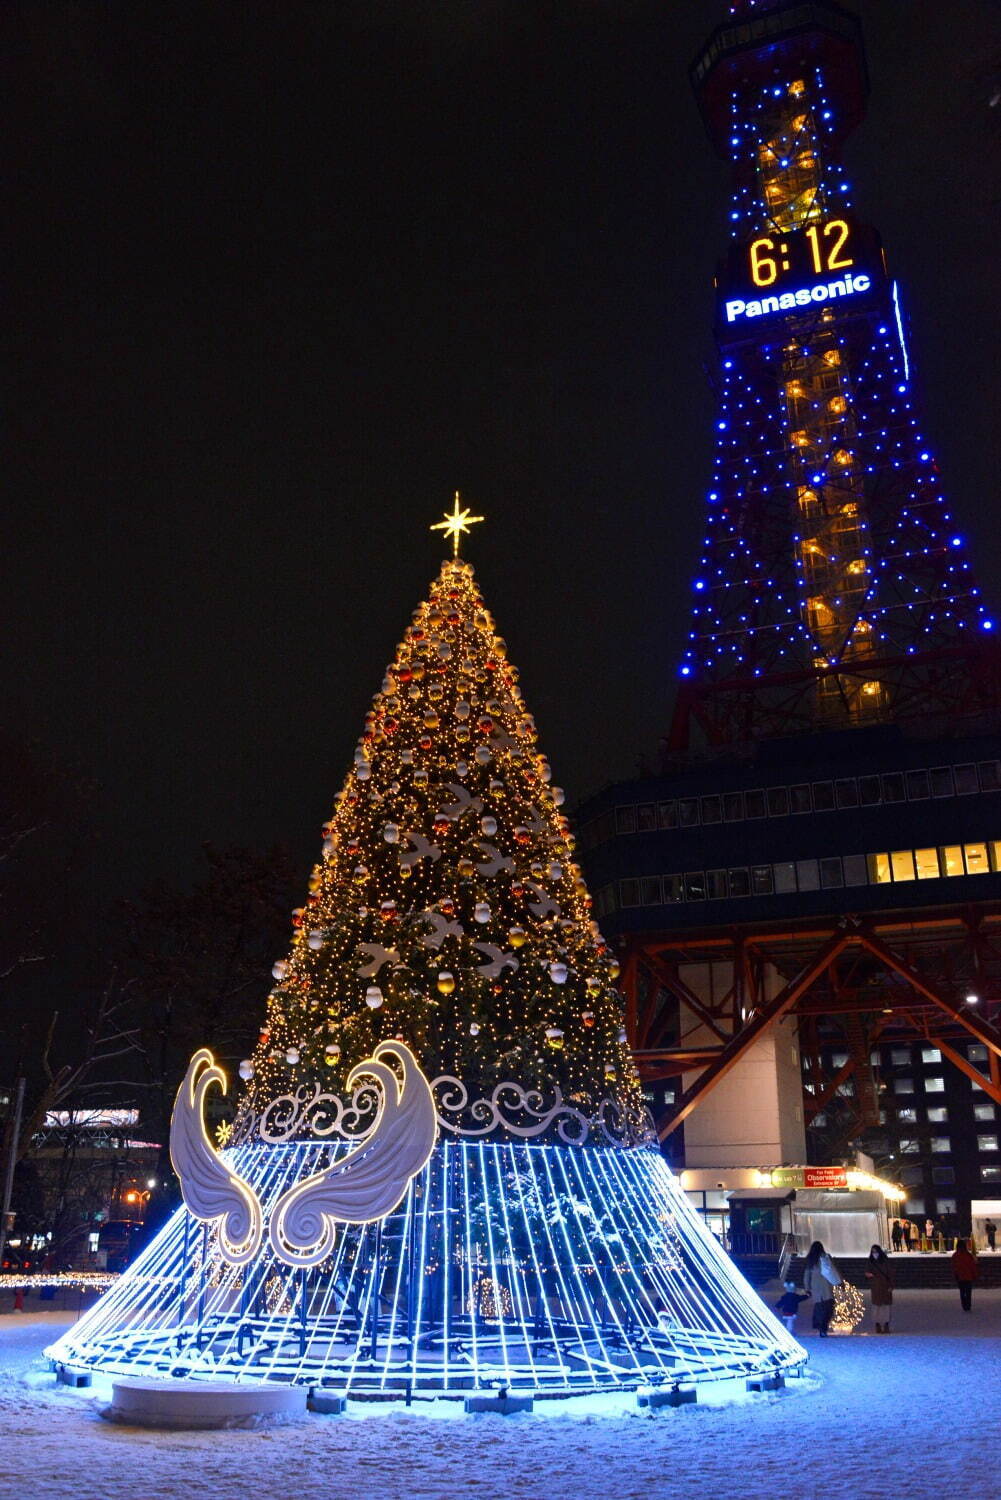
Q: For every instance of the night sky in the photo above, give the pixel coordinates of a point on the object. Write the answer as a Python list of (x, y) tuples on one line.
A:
[(280, 277)]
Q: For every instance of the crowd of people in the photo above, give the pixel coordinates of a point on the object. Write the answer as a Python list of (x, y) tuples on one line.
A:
[(940, 1234), (822, 1278)]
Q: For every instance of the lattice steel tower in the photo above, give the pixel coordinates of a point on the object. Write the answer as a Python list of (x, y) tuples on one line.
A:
[(833, 587)]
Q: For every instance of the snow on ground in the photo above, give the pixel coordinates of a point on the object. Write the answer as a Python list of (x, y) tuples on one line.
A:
[(924, 1402)]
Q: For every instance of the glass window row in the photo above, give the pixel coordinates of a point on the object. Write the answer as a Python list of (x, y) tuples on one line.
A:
[(832, 873), (803, 797)]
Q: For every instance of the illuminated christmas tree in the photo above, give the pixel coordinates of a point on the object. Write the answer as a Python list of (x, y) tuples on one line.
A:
[(441, 1178), (448, 910)]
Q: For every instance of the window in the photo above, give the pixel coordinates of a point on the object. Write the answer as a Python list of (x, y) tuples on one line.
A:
[(650, 891), (976, 1052), (917, 786), (937, 1115), (902, 864), (983, 1112), (646, 817), (674, 889), (838, 1060), (625, 820), (785, 877), (930, 1055), (941, 781), (910, 1148), (868, 791), (855, 869), (733, 806), (823, 796), (914, 1207), (976, 859), (761, 880), (952, 859), (934, 1085), (778, 801), (879, 869), (947, 1205), (911, 1175), (987, 1143), (754, 804), (943, 1176), (900, 1056), (740, 883), (807, 875), (990, 1174), (831, 878), (667, 814), (907, 1116), (800, 800), (629, 892), (716, 885), (695, 886), (688, 812), (966, 780), (847, 792), (893, 787), (941, 1143), (926, 863), (903, 1085), (989, 778), (712, 810)]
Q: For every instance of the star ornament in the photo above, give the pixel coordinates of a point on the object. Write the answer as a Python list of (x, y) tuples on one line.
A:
[(455, 524)]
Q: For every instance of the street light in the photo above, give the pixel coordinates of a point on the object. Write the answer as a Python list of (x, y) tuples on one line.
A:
[(972, 999)]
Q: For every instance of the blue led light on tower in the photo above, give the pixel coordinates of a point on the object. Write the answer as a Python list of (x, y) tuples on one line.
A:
[(441, 1177), (835, 594)]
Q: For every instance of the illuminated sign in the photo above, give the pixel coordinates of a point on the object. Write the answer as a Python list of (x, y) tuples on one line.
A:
[(797, 271), (810, 1177)]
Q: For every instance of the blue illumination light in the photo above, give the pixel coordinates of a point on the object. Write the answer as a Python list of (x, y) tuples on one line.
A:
[(551, 1268)]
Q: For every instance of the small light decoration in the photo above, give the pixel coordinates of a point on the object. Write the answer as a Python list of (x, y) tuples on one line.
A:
[(849, 1308)]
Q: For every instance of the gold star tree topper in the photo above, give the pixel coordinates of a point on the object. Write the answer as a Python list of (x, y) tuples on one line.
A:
[(455, 524)]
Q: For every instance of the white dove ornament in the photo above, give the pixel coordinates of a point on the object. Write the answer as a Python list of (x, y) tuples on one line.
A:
[(211, 1190), (370, 1181)]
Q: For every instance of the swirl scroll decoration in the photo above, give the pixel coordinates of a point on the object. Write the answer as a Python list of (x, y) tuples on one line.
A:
[(211, 1190), (370, 1181)]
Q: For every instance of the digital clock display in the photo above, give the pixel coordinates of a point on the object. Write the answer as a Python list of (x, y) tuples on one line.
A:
[(788, 271)]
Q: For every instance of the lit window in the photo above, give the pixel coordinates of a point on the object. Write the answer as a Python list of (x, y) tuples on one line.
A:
[(930, 1055), (983, 1112), (934, 1085), (976, 859), (938, 1115), (838, 1060), (926, 863), (914, 1207), (832, 357), (857, 565), (947, 1205), (987, 1143), (910, 1148), (940, 1143), (990, 1174), (902, 864), (879, 869), (976, 1052), (952, 859), (837, 405), (907, 1116), (900, 1056), (903, 1085)]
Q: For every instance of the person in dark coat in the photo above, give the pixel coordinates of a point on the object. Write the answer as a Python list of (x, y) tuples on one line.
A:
[(788, 1304), (990, 1229), (966, 1271), (879, 1274), (896, 1235), (820, 1277)]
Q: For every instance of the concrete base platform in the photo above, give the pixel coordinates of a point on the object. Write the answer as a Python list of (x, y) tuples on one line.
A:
[(327, 1405), (506, 1406), (673, 1397), (766, 1383), (202, 1404)]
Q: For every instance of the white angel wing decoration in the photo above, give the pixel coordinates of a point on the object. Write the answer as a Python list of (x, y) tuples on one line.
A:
[(210, 1189), (370, 1181)]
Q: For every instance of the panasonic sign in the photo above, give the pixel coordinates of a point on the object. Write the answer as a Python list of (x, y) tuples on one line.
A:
[(738, 311)]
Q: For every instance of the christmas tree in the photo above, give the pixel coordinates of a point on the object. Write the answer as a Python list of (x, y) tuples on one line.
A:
[(448, 910), (440, 1180)]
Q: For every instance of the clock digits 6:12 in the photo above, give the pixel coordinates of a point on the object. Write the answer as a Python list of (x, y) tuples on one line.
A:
[(823, 246)]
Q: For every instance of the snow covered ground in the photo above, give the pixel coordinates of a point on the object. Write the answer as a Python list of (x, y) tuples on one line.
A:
[(925, 1403)]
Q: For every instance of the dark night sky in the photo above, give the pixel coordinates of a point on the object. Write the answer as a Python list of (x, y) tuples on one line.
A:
[(280, 277)]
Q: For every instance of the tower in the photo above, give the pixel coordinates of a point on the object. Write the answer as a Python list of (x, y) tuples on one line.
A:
[(441, 1178), (833, 589), (804, 900)]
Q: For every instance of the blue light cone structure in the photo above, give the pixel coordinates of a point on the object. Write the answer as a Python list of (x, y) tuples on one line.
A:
[(540, 1267)]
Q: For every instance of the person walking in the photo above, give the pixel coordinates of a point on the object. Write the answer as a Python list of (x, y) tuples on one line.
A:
[(966, 1271), (820, 1277), (788, 1304), (879, 1273), (905, 1233), (991, 1230), (896, 1235)]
